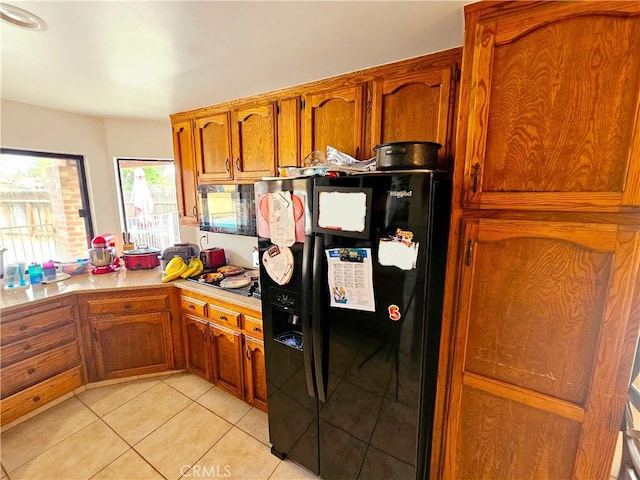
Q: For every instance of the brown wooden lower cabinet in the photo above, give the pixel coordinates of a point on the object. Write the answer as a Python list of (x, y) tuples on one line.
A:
[(225, 347), (127, 333), (543, 310), (131, 344), (51, 348), (255, 377), (195, 337), (40, 356), (226, 359)]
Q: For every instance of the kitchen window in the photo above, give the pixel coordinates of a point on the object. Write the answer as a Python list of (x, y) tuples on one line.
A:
[(148, 202), (44, 208)]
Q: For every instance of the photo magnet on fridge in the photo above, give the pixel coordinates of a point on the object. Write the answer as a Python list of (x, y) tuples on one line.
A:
[(398, 250)]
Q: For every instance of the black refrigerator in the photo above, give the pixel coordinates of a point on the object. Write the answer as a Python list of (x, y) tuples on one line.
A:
[(352, 274)]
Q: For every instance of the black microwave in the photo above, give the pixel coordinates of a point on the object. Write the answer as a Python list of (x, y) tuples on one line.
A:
[(228, 209)]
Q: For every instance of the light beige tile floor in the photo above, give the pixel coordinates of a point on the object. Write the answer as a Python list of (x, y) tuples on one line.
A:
[(171, 427)]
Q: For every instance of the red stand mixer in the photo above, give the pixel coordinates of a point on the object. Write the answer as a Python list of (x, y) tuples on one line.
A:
[(102, 254)]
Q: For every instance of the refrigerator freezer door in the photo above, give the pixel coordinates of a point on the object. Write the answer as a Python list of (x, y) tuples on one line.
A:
[(291, 391)]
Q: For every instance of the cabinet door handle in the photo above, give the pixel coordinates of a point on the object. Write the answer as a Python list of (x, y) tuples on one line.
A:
[(27, 347), (226, 164), (95, 334), (36, 398), (248, 352), (126, 306), (23, 328), (192, 307), (195, 212), (223, 318), (256, 329), (31, 371), (476, 169), (238, 164), (469, 252)]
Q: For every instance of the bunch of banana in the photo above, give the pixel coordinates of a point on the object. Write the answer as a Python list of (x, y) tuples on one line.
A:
[(194, 268), (174, 269)]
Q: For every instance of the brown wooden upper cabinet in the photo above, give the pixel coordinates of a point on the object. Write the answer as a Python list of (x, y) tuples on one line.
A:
[(335, 118), (553, 108), (289, 132), (415, 106), (185, 172), (254, 141), (212, 135)]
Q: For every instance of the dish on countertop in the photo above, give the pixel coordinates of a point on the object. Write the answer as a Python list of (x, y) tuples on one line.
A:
[(230, 270), (235, 282)]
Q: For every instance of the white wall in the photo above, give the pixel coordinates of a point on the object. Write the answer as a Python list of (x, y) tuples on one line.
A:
[(100, 141)]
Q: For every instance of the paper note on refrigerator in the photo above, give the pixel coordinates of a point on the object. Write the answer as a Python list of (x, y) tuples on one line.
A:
[(281, 220), (342, 211), (350, 273)]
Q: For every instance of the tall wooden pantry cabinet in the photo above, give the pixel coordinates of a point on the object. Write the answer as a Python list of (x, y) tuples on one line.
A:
[(538, 336)]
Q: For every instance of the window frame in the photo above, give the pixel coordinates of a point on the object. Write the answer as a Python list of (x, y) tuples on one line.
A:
[(82, 181)]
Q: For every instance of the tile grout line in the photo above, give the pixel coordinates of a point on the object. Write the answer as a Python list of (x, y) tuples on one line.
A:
[(55, 444), (131, 447), (210, 448)]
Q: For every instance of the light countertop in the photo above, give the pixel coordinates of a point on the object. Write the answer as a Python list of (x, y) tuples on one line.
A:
[(122, 279)]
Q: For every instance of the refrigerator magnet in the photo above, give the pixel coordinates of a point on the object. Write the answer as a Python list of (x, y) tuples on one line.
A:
[(278, 263), (398, 250), (394, 312)]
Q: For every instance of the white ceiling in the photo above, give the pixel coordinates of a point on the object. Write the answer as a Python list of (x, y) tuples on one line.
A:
[(147, 59)]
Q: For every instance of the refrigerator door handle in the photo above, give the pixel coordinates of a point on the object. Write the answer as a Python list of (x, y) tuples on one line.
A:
[(306, 318), (318, 325)]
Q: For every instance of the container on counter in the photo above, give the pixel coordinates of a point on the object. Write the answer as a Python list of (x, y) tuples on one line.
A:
[(15, 276), (36, 273), (49, 270)]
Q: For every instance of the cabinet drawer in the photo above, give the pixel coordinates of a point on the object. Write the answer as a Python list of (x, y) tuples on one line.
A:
[(253, 326), (32, 325), (32, 370), (193, 306), (224, 317), (129, 304), (34, 397), (17, 351)]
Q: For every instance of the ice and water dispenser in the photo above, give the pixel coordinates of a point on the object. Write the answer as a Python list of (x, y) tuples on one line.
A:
[(287, 317)]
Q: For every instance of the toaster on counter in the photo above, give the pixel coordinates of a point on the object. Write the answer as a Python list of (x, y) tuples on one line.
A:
[(184, 250)]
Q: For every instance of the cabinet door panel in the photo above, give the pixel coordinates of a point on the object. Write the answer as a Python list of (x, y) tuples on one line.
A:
[(226, 357), (541, 311), (255, 374), (185, 172), (256, 141), (130, 345), (536, 307), (334, 118), (289, 132), (414, 107), (194, 332), (213, 147), (553, 119), (505, 439)]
